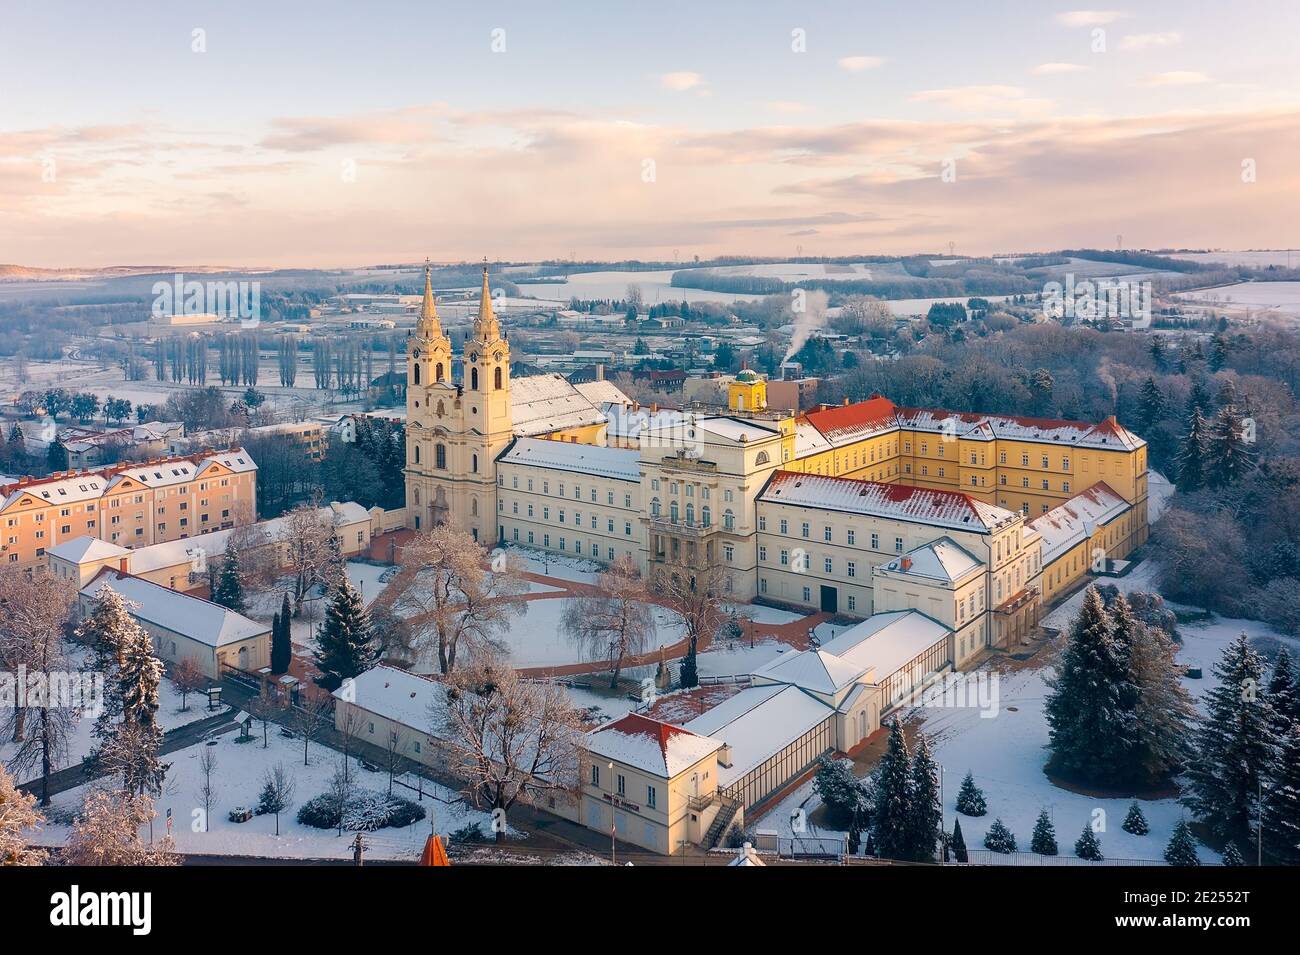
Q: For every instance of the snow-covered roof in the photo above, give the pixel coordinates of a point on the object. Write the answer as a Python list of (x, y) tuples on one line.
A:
[(628, 421), (397, 695), (1072, 522), (542, 403), (943, 559), (885, 642), (601, 391), (213, 544), (652, 746), (817, 671), (846, 424), (877, 499), (1105, 434), (198, 619), (85, 550), (619, 463), (758, 723)]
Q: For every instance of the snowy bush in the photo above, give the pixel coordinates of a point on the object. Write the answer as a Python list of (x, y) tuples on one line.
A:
[(970, 798), (999, 838), (365, 811)]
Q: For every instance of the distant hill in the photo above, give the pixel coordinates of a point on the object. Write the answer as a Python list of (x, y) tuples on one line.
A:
[(27, 273)]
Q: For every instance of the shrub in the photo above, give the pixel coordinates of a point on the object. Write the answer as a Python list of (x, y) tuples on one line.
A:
[(365, 811), (999, 838)]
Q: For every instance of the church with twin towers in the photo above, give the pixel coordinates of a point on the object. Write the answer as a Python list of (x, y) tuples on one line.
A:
[(979, 520)]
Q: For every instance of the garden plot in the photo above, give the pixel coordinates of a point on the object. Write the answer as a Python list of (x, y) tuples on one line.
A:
[(238, 779)]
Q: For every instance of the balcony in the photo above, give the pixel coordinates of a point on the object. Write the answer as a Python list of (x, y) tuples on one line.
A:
[(694, 529)]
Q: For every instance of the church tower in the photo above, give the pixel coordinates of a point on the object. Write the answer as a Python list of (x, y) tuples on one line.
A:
[(488, 420), (430, 358), (431, 404)]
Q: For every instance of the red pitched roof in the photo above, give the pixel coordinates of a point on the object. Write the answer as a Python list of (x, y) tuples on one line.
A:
[(832, 419)]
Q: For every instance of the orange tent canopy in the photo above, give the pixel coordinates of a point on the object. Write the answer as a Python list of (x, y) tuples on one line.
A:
[(434, 853)]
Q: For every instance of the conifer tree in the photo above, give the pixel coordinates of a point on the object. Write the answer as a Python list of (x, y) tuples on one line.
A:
[(959, 843), (1230, 455), (1232, 855), (970, 798), (925, 814), (1151, 404), (1181, 850), (281, 640), (1089, 711), (1234, 746), (345, 643), (1283, 695), (1043, 840), (1282, 804), (107, 630), (1135, 822), (1163, 711), (893, 800), (999, 838), (1088, 846), (1191, 458), (133, 749), (229, 591)]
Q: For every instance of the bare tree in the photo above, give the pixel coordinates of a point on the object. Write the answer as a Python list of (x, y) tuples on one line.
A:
[(188, 677), (340, 791), (452, 596), (107, 832), (349, 727), (614, 624), (305, 540), (208, 788), (310, 718), (264, 708), (695, 591), (17, 815), (34, 612), (277, 793), (510, 739)]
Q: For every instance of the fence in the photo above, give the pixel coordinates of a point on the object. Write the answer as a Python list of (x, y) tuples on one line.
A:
[(795, 847)]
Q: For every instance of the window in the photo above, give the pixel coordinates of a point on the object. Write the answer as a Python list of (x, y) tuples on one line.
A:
[(853, 569), (803, 530), (852, 536), (826, 533), (828, 565), (440, 456), (853, 602), (728, 520), (898, 545), (651, 797), (622, 785), (785, 526), (762, 553), (785, 558), (595, 775), (875, 541), (728, 553)]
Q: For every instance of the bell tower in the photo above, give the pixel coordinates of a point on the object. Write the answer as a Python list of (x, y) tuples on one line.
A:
[(430, 407), (429, 361), (488, 420)]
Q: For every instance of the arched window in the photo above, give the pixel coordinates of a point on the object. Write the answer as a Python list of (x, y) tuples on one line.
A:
[(440, 456), (706, 516), (437, 372), (729, 520), (442, 409), (654, 507), (674, 512), (474, 464), (473, 379), (473, 507), (496, 378), (416, 369), (417, 454), (690, 513), (415, 496), (762, 458)]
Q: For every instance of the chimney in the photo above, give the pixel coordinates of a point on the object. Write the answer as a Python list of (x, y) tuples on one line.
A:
[(600, 372), (122, 563), (846, 402), (724, 756), (905, 563)]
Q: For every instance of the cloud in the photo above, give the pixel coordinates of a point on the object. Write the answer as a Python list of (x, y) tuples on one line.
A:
[(856, 64), (785, 106), (1147, 41), (680, 81), (409, 126), (1176, 78), (983, 99), (1089, 18), (1052, 69)]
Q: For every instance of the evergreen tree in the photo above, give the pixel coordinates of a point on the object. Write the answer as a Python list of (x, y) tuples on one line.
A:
[(56, 457), (1044, 839), (893, 785), (336, 566), (1181, 850), (1151, 404), (107, 630), (1088, 846), (345, 644), (1282, 804), (1157, 352), (1234, 747), (1135, 822), (1282, 694), (970, 798), (1163, 711), (1089, 710), (134, 748), (925, 815), (1191, 459), (842, 793), (1218, 352), (1232, 855), (229, 591), (959, 843), (1230, 455), (999, 838), (1198, 400), (687, 671), (281, 641)]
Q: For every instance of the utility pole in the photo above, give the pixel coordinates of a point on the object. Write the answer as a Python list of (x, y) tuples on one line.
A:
[(358, 846)]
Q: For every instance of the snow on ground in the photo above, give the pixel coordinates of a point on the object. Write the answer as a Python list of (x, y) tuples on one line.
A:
[(829, 630), (80, 743), (1007, 752), (765, 615), (737, 657), (239, 778), (573, 569), (366, 578)]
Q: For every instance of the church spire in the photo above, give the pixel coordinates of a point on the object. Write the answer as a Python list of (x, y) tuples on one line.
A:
[(428, 327), (486, 327)]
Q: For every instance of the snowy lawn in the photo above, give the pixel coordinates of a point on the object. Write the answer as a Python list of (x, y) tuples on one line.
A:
[(238, 780), (80, 743), (737, 658), (765, 615), (573, 569)]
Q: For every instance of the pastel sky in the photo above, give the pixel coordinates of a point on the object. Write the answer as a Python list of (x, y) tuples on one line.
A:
[(327, 133)]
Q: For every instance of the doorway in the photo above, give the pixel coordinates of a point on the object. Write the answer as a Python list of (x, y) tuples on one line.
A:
[(830, 600)]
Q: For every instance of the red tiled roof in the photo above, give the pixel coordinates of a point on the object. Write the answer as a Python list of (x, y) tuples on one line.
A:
[(831, 419)]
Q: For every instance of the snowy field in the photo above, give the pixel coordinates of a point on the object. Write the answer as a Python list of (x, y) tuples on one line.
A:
[(758, 613), (572, 569), (655, 287), (1260, 259), (238, 779), (1281, 297), (80, 743)]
